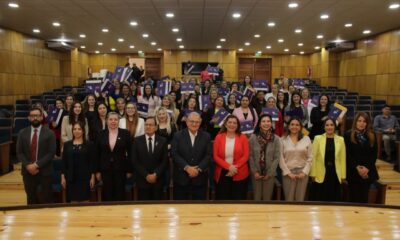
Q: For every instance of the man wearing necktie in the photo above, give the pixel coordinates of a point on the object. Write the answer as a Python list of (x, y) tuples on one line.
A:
[(150, 159), (36, 147)]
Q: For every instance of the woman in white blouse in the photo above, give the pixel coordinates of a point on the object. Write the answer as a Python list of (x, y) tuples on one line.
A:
[(132, 122), (296, 159)]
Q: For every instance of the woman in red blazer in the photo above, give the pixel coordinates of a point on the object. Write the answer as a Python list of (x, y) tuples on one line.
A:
[(231, 153)]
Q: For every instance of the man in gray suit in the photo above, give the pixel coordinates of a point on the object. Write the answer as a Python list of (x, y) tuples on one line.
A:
[(191, 152), (36, 147)]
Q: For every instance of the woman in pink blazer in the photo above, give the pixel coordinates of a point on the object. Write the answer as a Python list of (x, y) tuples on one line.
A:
[(231, 153)]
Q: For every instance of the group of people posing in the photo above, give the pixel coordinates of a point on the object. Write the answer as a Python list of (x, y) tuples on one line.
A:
[(99, 141)]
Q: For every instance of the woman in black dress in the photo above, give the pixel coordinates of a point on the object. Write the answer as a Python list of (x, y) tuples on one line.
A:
[(361, 149), (78, 166), (318, 116)]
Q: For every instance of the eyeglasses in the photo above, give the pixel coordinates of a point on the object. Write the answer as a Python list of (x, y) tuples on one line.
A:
[(35, 116), (194, 122)]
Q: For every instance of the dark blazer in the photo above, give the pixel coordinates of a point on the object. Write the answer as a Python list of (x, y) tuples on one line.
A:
[(119, 158), (45, 154), (95, 127), (360, 154), (86, 162), (184, 154), (145, 163)]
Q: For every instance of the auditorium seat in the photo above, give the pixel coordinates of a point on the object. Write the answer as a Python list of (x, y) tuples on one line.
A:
[(22, 107), (22, 101), (5, 122), (21, 114), (19, 124), (363, 108)]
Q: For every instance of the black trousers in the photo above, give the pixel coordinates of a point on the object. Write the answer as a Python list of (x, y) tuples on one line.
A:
[(358, 192), (227, 189), (31, 184), (190, 192), (113, 186), (152, 192)]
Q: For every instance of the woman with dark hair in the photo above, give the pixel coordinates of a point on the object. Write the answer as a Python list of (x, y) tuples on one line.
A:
[(231, 154), (231, 103), (210, 121), (134, 92), (328, 170), (281, 103), (319, 115), (89, 107), (178, 95), (295, 109), (75, 115), (258, 102), (149, 98), (69, 101), (192, 106), (361, 152), (78, 165), (244, 112), (206, 88), (98, 123), (132, 122), (296, 160), (264, 158), (126, 93), (247, 84)]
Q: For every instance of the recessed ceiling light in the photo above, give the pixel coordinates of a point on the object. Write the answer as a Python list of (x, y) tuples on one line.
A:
[(120, 40), (133, 23), (175, 29), (259, 52), (236, 15), (113, 49), (140, 51), (320, 36), (247, 43), (286, 50), (100, 43), (145, 35), (97, 51), (256, 35), (324, 16), (394, 6), (56, 24), (348, 25), (153, 43), (159, 49), (240, 49), (293, 5), (179, 39), (298, 30), (268, 47), (281, 40), (222, 40), (301, 52), (181, 46), (131, 46), (13, 5), (35, 30), (317, 47), (219, 46), (82, 35), (367, 31), (300, 44), (83, 47), (105, 30), (271, 24), (170, 15)]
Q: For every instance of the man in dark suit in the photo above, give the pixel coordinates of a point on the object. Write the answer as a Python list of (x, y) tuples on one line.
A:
[(36, 147), (191, 152), (150, 159)]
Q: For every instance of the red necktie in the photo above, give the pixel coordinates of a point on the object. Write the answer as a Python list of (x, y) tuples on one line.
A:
[(34, 145)]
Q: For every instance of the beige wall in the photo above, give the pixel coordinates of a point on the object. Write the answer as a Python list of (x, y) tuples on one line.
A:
[(373, 68)]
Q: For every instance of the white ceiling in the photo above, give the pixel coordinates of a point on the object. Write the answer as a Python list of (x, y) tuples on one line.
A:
[(201, 22)]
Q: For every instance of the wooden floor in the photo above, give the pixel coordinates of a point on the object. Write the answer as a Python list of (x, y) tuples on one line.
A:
[(202, 221), (12, 191)]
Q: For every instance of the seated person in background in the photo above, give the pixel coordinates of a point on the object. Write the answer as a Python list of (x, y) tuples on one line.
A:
[(387, 125)]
